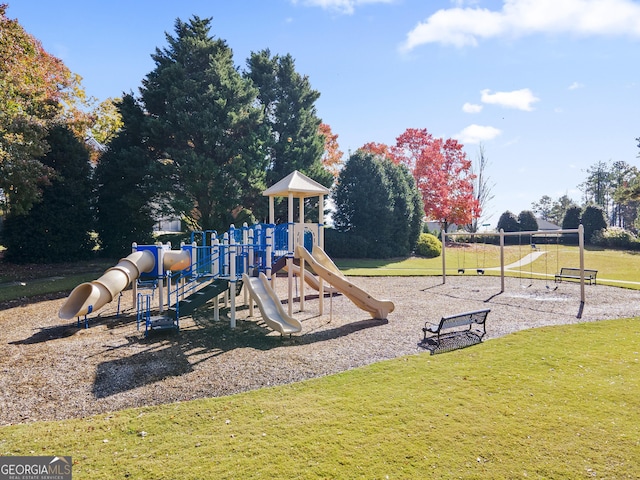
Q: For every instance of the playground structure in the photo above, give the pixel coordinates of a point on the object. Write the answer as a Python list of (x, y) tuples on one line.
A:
[(581, 276), (215, 267)]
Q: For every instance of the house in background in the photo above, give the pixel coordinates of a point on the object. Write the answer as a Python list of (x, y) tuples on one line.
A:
[(546, 225), (434, 227), (167, 225)]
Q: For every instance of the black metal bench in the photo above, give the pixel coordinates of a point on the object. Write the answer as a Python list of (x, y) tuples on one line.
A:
[(567, 273), (450, 327)]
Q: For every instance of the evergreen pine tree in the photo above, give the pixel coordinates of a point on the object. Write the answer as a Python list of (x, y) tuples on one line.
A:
[(508, 222), (572, 218), (204, 124), (527, 221), (288, 104), (378, 206), (125, 187), (570, 221), (406, 221)]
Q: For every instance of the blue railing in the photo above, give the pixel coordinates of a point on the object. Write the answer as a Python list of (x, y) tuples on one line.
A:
[(212, 257)]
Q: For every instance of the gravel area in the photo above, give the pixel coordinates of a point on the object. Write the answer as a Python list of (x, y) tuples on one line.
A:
[(51, 370)]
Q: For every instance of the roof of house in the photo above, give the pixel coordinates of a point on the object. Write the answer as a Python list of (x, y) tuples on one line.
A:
[(546, 225)]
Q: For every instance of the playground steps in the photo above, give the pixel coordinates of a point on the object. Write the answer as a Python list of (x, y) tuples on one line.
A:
[(278, 265), (161, 322), (202, 296), (187, 306)]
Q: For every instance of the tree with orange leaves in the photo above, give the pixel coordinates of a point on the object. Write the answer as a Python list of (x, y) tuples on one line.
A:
[(36, 89), (332, 157), (377, 149), (442, 173)]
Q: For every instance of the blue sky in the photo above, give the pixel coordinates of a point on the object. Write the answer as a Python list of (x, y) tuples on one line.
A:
[(548, 87)]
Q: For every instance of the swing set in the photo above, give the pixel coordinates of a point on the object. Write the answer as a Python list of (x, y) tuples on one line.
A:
[(580, 275), (538, 249), (479, 268)]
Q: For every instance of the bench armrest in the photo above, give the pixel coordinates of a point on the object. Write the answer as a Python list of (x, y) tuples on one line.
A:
[(430, 327)]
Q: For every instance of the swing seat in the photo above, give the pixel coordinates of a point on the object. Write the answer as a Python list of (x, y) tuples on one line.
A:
[(480, 271), (461, 271)]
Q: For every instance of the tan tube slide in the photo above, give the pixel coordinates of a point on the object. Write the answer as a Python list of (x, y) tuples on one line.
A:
[(92, 296)]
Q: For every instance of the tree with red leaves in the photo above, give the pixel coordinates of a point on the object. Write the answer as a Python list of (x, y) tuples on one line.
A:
[(377, 149), (36, 91), (442, 172), (332, 157)]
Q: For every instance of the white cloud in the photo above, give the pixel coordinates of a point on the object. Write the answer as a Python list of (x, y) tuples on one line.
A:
[(575, 86), (466, 26), (520, 99), (342, 6), (477, 134), (471, 108)]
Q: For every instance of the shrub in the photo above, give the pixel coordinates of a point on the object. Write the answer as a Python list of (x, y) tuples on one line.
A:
[(345, 244), (527, 221), (428, 246), (614, 237), (378, 203), (593, 219)]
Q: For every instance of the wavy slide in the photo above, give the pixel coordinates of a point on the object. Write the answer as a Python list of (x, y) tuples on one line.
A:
[(327, 270), (92, 296), (270, 306), (311, 280)]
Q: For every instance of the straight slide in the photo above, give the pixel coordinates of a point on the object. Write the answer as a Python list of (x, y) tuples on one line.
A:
[(327, 270), (270, 306)]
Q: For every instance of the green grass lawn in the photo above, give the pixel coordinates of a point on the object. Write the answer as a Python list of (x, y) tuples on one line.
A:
[(24, 281), (554, 402), (615, 267), (618, 268)]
